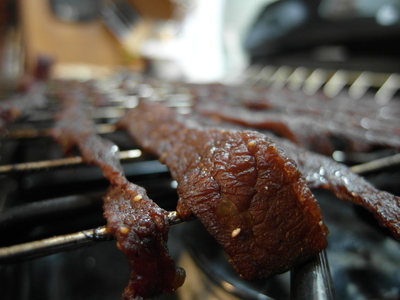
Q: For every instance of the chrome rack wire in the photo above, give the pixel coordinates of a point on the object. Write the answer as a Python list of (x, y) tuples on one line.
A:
[(371, 166), (109, 113), (57, 163), (65, 242), (28, 133), (377, 164), (312, 280), (113, 111), (330, 82)]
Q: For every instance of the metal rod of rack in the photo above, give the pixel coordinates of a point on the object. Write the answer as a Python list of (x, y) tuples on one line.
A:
[(52, 245), (29, 133), (371, 166), (312, 280), (377, 164), (56, 163), (60, 243)]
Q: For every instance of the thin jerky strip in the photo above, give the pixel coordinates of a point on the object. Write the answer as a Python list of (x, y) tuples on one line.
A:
[(140, 226), (309, 121), (310, 132), (74, 129), (323, 172), (246, 192)]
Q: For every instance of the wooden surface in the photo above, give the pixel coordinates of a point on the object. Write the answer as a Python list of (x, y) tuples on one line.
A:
[(84, 44)]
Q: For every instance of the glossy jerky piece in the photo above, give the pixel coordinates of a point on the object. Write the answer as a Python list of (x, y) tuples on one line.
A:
[(141, 228), (73, 129), (71, 122), (323, 172), (248, 195)]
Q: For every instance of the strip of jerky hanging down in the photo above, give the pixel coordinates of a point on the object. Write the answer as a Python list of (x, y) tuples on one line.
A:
[(315, 133), (244, 190), (140, 226), (321, 171)]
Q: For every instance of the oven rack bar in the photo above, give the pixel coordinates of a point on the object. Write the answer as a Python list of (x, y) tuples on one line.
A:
[(96, 113), (56, 244), (376, 164), (30, 133), (312, 280), (44, 165), (108, 113), (61, 243), (329, 82), (61, 162)]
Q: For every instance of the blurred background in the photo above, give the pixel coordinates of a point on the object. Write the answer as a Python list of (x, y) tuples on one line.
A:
[(195, 40), (198, 40)]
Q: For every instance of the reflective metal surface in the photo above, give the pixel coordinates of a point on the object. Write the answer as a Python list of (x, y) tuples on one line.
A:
[(313, 280)]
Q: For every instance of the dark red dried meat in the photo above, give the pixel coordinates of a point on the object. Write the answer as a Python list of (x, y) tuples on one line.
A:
[(312, 132), (73, 129), (140, 226), (246, 192), (321, 171)]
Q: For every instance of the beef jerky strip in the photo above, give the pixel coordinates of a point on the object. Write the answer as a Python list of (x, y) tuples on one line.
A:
[(246, 192), (140, 226), (313, 133), (321, 171), (352, 125)]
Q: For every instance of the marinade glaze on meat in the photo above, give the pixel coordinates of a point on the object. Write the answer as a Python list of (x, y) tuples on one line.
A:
[(321, 171), (246, 192), (140, 226)]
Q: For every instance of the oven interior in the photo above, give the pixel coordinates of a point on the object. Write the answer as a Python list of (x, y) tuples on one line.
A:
[(39, 203)]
